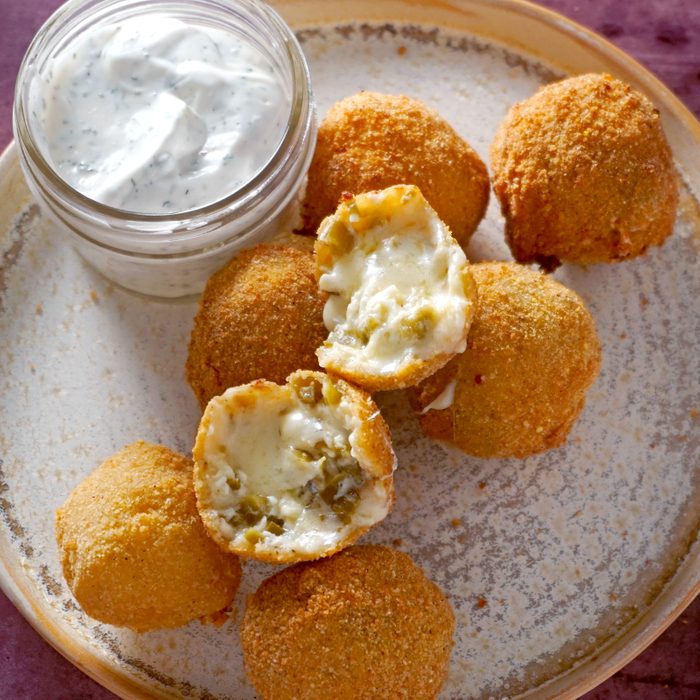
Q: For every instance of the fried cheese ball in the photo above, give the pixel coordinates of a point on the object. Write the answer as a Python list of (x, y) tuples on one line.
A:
[(532, 353), (260, 317), (294, 472), (400, 294), (584, 174), (295, 240), (371, 141), (133, 548), (365, 624)]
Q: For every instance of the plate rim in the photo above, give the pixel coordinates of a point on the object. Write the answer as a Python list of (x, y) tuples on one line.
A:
[(636, 635)]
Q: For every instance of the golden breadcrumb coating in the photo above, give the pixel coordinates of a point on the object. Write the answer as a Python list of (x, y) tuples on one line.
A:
[(371, 141), (133, 548), (365, 624), (260, 317), (532, 353), (233, 456), (295, 240), (584, 173)]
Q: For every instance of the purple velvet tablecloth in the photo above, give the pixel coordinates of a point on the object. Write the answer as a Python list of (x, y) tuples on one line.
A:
[(664, 35)]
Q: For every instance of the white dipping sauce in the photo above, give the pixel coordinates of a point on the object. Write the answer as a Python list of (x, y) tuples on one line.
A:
[(155, 116)]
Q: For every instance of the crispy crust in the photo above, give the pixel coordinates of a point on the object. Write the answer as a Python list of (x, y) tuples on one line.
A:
[(411, 374), (532, 354), (371, 141), (133, 548), (377, 455), (364, 625), (260, 317), (300, 241), (584, 173)]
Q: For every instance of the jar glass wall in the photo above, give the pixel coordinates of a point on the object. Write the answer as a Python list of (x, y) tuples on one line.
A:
[(170, 255)]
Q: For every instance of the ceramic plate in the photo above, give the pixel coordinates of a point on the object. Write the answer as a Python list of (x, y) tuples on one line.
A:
[(560, 567)]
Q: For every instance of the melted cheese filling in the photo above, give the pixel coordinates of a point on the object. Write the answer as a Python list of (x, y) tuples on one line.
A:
[(283, 473), (443, 400), (395, 281)]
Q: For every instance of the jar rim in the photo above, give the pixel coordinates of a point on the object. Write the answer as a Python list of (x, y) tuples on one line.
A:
[(242, 199)]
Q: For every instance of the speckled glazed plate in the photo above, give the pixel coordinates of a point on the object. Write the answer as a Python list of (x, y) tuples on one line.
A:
[(560, 567)]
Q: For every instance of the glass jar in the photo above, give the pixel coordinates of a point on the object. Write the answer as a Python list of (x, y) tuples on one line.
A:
[(171, 255)]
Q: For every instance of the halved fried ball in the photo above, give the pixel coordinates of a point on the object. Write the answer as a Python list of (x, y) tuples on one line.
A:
[(532, 353), (260, 317), (584, 173), (365, 624), (400, 294), (133, 548), (294, 472), (371, 141)]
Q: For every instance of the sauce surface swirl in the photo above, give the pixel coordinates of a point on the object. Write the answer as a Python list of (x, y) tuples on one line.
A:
[(153, 115)]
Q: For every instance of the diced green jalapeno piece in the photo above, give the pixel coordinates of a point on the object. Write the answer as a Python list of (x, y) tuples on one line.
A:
[(252, 536), (340, 239), (331, 394), (251, 509), (330, 491), (344, 507), (422, 322), (275, 525)]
